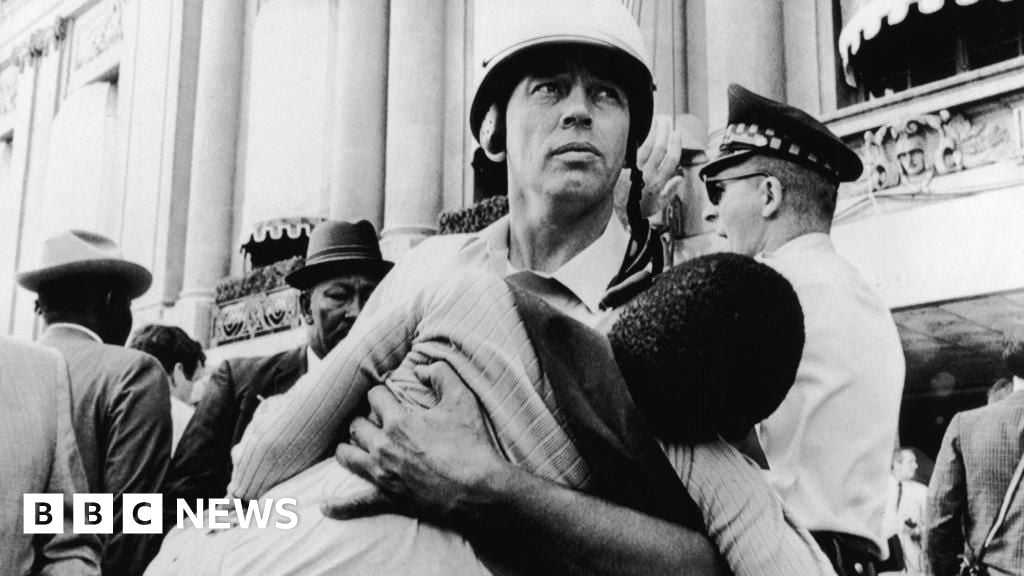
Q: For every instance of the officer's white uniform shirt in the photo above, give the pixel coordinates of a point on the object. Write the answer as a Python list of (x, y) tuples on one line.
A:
[(829, 445)]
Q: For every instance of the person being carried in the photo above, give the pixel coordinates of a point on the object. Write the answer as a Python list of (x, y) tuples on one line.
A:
[(689, 350)]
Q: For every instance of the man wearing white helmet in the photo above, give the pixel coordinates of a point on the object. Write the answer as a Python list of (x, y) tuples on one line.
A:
[(565, 98)]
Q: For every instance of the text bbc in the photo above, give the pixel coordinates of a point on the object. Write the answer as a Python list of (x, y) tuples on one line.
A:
[(143, 513)]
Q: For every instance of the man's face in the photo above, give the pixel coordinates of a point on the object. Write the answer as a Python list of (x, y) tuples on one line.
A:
[(333, 306), (736, 201), (904, 465), (566, 133)]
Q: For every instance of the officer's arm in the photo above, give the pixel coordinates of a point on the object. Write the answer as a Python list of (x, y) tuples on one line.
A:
[(440, 464)]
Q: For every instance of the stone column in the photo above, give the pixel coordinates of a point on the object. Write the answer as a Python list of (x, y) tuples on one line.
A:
[(209, 241), (745, 44), (415, 126), (360, 95)]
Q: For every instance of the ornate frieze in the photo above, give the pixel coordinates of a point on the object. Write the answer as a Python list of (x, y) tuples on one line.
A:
[(97, 30), (39, 43), (8, 90), (256, 315), (911, 152)]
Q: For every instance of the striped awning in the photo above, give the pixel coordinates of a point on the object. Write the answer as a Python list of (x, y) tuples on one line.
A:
[(867, 22)]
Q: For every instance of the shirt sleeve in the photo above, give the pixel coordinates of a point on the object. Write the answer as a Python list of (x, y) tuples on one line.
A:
[(68, 553), (137, 455), (947, 500), (743, 516), (289, 432)]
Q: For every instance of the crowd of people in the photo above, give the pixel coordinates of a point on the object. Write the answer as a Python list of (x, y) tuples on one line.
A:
[(539, 396)]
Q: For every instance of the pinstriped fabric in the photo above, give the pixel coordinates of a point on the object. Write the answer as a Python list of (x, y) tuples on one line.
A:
[(468, 320), (745, 519), (39, 454)]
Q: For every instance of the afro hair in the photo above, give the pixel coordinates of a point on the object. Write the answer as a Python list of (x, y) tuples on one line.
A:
[(712, 348)]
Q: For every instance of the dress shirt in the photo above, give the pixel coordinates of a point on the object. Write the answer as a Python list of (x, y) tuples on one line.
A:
[(830, 442), (312, 360), (586, 276), (77, 328), (1018, 383), (181, 413)]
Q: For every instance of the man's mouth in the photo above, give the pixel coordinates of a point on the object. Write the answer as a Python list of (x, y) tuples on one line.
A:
[(576, 148)]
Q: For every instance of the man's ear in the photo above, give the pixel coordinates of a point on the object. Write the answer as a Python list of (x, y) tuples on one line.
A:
[(492, 134), (305, 308), (771, 194), (178, 374)]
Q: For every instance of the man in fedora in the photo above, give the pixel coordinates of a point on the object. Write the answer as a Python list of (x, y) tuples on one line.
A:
[(772, 195), (343, 266), (120, 403)]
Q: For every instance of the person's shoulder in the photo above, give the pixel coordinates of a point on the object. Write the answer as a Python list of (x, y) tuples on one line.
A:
[(17, 351), (248, 363)]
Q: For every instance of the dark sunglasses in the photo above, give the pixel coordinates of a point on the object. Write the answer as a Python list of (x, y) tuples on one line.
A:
[(716, 186)]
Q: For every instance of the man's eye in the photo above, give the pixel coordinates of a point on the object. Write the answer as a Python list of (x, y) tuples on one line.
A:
[(607, 93), (547, 88)]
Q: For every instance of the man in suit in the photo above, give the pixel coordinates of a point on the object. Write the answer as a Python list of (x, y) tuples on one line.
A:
[(120, 400), (39, 455), (980, 450), (343, 266)]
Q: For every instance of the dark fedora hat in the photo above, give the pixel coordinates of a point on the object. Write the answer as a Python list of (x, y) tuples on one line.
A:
[(336, 248)]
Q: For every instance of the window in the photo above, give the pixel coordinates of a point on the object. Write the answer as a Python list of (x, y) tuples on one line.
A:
[(924, 48)]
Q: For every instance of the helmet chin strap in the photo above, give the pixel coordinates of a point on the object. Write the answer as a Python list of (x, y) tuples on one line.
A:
[(644, 248)]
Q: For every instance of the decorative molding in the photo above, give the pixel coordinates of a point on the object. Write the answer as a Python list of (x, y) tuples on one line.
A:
[(912, 151), (8, 90), (255, 315), (39, 43), (96, 31)]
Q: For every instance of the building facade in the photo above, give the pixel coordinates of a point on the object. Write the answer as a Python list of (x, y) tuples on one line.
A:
[(209, 136)]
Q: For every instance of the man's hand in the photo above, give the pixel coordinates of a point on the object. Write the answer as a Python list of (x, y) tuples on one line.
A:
[(657, 158), (424, 462)]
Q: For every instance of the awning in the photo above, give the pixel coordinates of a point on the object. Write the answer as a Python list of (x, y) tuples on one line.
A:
[(278, 228), (867, 22)]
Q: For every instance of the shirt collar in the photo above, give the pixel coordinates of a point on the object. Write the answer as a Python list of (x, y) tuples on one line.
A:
[(586, 274), (817, 241), (312, 360), (1018, 383), (78, 328)]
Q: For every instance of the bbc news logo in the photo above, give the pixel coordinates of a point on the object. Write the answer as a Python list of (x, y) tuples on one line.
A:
[(143, 513)]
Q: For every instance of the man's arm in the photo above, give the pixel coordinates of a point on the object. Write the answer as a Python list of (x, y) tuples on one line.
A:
[(138, 453), (201, 467), (947, 501), (440, 464)]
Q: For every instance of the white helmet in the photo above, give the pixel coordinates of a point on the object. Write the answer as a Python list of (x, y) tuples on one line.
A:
[(515, 28)]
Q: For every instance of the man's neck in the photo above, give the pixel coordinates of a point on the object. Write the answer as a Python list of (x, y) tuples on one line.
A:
[(544, 242), (778, 236)]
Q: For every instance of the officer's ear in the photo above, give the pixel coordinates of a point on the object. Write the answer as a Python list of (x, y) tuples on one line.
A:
[(772, 193), (492, 134)]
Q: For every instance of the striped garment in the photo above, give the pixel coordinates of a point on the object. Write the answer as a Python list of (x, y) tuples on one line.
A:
[(469, 321)]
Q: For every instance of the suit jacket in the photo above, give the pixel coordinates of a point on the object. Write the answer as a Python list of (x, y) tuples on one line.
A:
[(121, 410), (201, 467), (38, 454), (979, 452)]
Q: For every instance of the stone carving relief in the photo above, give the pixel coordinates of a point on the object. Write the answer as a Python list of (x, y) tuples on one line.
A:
[(914, 150), (8, 90), (98, 30), (39, 43)]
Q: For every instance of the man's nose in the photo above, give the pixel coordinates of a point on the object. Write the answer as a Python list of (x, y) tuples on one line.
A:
[(577, 109)]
